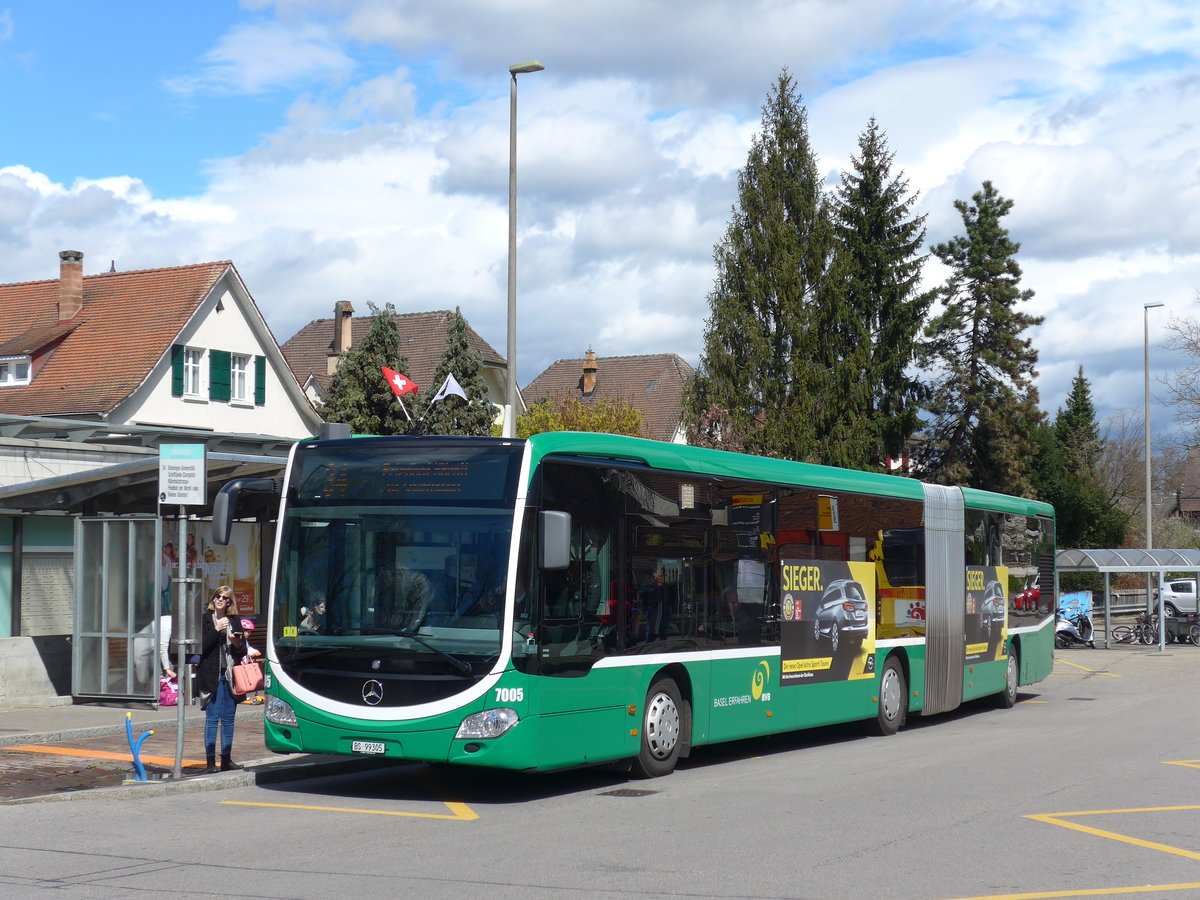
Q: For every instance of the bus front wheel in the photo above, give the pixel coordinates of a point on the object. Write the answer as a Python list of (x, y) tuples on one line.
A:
[(662, 721), (893, 699)]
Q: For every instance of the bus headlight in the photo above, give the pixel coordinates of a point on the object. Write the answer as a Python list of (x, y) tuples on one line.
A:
[(491, 723), (280, 712)]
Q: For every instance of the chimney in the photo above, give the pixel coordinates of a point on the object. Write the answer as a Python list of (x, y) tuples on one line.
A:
[(589, 372), (70, 284), (343, 312)]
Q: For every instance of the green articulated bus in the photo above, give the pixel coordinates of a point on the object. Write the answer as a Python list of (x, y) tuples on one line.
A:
[(574, 599)]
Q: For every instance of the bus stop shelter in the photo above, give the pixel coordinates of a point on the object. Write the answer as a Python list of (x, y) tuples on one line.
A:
[(1129, 560)]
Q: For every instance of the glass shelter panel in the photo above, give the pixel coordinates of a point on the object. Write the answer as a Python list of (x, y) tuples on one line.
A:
[(117, 609)]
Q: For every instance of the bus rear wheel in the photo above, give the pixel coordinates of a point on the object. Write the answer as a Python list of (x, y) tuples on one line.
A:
[(663, 716), (1007, 699), (893, 699)]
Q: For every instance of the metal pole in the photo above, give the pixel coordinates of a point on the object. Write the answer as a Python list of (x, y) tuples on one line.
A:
[(1146, 307), (510, 394), (181, 641)]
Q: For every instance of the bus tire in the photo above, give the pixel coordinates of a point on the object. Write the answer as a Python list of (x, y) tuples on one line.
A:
[(1007, 698), (663, 716), (893, 699)]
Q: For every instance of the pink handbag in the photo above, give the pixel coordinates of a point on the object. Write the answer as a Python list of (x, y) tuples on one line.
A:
[(247, 676), (168, 691)]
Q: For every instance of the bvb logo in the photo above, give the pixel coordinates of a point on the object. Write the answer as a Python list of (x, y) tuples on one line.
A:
[(761, 673)]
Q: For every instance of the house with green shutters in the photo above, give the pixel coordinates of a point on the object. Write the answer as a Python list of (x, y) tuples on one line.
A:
[(96, 372)]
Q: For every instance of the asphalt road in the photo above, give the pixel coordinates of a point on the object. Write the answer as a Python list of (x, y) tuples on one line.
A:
[(1090, 787)]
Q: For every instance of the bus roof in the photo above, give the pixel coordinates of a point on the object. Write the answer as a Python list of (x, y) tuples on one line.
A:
[(721, 463)]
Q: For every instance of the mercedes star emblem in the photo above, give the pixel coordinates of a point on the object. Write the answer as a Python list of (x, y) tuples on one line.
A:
[(372, 692)]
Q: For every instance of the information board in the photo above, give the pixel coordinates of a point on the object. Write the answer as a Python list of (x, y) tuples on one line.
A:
[(182, 475)]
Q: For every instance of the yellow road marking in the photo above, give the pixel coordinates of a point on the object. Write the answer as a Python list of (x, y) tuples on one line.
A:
[(101, 754), (461, 812), (1089, 892), (1059, 819), (1189, 763), (1086, 669)]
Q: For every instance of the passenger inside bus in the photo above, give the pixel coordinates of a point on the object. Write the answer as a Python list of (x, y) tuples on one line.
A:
[(656, 603), (738, 623)]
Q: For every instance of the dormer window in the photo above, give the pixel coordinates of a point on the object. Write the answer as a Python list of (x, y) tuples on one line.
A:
[(14, 370)]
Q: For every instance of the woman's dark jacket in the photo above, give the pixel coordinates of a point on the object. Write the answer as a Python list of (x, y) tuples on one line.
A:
[(208, 672)]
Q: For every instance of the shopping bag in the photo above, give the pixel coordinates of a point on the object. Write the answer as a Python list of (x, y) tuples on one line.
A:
[(168, 691), (247, 677)]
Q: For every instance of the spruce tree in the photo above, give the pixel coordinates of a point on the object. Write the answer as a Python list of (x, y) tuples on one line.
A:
[(881, 245), (768, 375), (358, 393), (1076, 426), (453, 414), (982, 399)]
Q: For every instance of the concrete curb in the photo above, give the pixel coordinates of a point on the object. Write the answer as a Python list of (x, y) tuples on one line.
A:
[(95, 731), (256, 772)]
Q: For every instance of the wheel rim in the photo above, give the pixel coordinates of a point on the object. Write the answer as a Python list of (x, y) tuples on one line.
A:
[(1011, 683), (833, 636), (816, 629), (662, 726), (889, 694)]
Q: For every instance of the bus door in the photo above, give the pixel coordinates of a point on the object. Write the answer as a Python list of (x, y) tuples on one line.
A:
[(945, 590)]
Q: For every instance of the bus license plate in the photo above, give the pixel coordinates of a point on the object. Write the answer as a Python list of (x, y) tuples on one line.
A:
[(373, 747)]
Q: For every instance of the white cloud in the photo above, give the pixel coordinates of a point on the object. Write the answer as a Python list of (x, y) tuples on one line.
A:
[(392, 185), (254, 58)]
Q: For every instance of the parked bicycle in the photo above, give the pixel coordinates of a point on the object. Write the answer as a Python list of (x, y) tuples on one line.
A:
[(1143, 631)]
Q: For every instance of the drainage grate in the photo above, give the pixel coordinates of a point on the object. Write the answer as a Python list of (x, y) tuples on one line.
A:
[(1081, 698), (627, 792)]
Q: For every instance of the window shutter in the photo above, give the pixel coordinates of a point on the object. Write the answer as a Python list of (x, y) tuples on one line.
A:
[(177, 370), (260, 380), (218, 375)]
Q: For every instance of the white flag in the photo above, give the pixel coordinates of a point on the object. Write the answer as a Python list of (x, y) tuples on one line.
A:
[(449, 386)]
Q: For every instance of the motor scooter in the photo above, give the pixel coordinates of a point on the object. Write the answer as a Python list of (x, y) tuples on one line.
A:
[(1073, 629)]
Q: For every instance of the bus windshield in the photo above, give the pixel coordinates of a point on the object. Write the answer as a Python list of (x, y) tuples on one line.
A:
[(398, 576)]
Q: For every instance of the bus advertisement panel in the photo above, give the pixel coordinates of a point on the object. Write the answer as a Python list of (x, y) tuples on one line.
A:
[(828, 628), (987, 612)]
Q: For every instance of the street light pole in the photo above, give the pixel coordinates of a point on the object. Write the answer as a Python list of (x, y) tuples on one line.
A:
[(1146, 307), (1162, 623), (510, 394)]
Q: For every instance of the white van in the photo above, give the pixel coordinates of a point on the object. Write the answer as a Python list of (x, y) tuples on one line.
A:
[(1178, 596)]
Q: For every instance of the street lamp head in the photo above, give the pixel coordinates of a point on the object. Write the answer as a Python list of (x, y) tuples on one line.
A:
[(1153, 304), (525, 68)]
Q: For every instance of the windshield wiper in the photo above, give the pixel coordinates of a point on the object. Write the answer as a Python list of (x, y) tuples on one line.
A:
[(300, 653), (459, 665)]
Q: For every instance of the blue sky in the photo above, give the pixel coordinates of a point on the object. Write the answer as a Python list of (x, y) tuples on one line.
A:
[(357, 150)]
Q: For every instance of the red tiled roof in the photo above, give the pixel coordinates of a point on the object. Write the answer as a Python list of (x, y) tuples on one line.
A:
[(652, 383), (128, 322), (422, 340)]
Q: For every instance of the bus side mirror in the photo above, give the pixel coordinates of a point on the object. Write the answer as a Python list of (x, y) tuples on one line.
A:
[(226, 501), (555, 540)]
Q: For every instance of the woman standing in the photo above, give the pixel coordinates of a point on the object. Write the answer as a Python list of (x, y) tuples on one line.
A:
[(222, 644)]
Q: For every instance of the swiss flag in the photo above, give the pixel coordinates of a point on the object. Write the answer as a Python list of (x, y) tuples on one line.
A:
[(400, 384)]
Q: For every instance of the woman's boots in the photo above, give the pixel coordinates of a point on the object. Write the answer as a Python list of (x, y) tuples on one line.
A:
[(210, 756)]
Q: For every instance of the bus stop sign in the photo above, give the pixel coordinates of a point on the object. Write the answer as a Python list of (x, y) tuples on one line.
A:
[(182, 475)]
